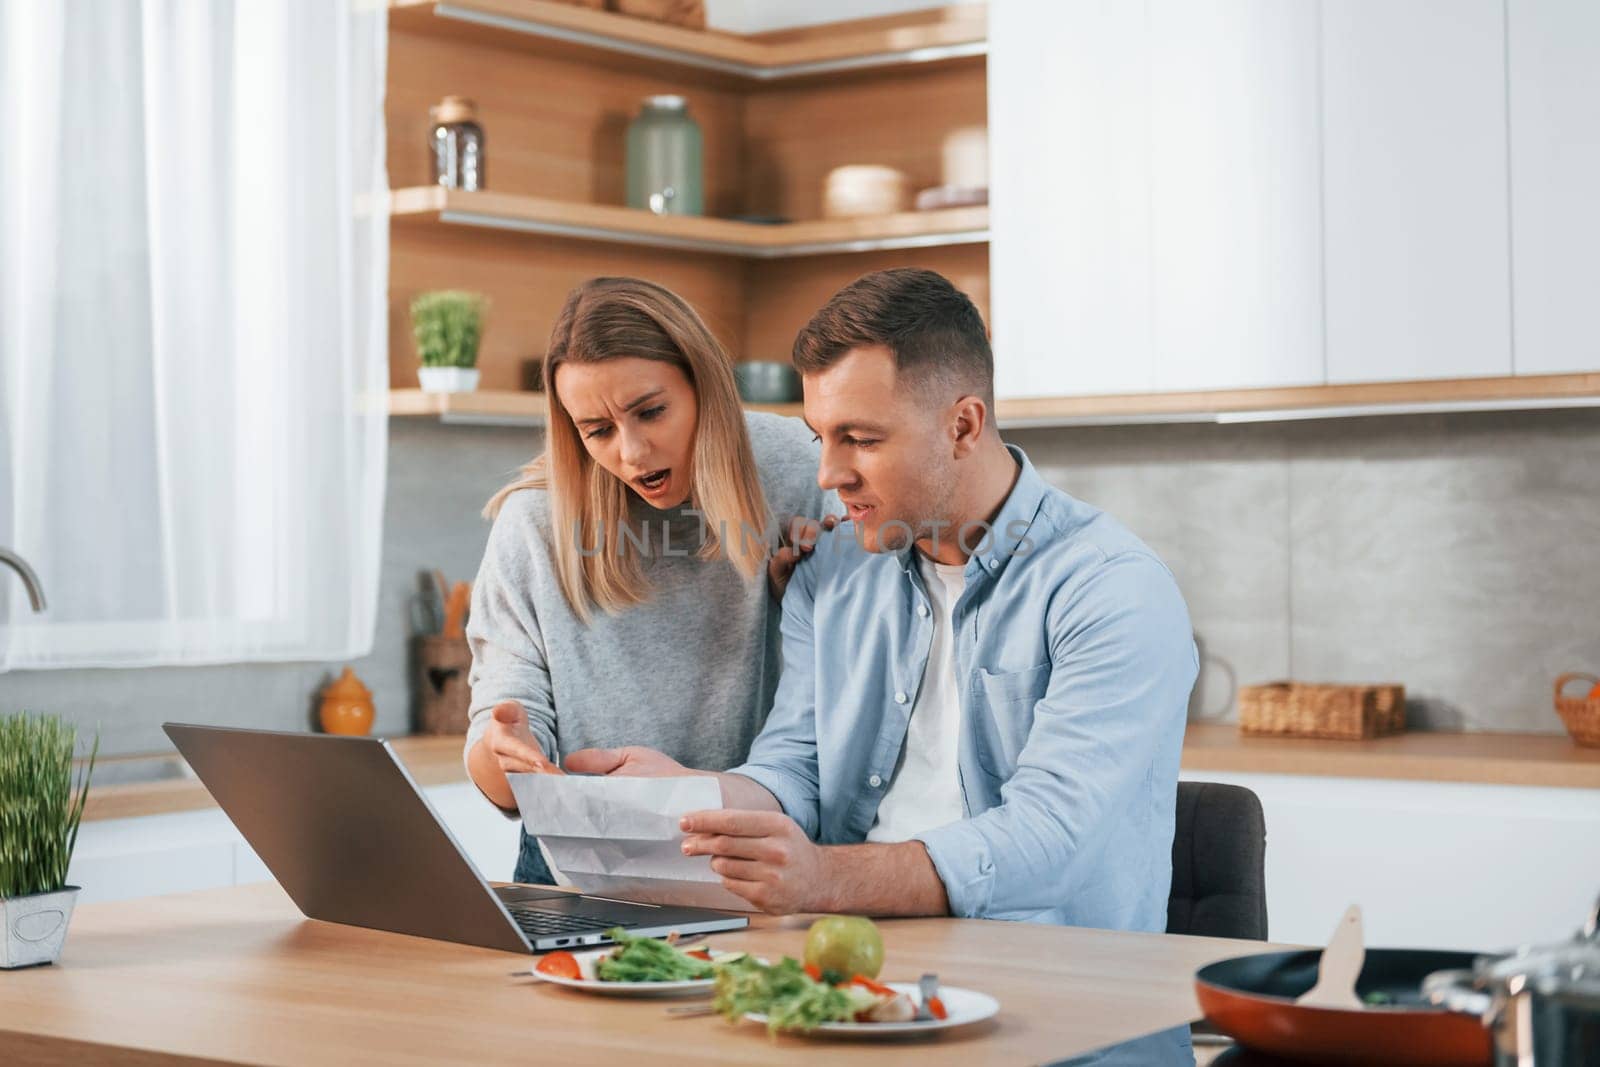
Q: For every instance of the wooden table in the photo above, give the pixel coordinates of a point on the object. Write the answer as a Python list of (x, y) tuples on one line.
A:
[(239, 976)]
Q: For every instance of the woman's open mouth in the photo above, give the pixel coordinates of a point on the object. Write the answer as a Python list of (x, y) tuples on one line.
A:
[(654, 483)]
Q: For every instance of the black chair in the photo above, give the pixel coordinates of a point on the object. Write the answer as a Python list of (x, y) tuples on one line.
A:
[(1219, 848)]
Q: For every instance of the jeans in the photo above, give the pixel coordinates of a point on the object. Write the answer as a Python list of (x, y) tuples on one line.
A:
[(531, 867)]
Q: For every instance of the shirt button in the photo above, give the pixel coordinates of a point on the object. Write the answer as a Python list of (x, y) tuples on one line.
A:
[(922, 610), (993, 564), (900, 698), (874, 781)]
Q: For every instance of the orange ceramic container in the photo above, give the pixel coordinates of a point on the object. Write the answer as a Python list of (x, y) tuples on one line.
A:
[(347, 706)]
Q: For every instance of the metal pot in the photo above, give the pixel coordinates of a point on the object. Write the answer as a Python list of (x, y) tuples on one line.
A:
[(1542, 1004)]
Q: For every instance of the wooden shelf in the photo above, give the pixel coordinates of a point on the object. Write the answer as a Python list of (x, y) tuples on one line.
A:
[(598, 222), (1550, 760), (1242, 405), (488, 407), (939, 35)]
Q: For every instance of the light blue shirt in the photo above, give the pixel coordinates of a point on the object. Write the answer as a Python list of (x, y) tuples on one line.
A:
[(1074, 662)]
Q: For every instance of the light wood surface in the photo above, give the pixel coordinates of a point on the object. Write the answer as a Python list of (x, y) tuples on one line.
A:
[(1550, 760), (238, 976), (885, 42), (781, 310), (795, 134), (432, 203), (431, 761)]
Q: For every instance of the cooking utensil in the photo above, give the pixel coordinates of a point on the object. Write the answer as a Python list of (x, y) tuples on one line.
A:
[(1340, 966), (455, 610), (1542, 1003), (1253, 1000)]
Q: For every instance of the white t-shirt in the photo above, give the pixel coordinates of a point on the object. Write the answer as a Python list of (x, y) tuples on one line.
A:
[(926, 789)]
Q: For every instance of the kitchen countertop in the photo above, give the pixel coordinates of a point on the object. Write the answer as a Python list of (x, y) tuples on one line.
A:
[(1549, 760), (237, 975)]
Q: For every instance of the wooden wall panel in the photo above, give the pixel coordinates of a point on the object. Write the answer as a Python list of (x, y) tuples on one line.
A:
[(795, 134), (527, 278), (554, 125), (783, 294)]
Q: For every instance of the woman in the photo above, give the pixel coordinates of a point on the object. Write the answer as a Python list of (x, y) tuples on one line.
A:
[(622, 598)]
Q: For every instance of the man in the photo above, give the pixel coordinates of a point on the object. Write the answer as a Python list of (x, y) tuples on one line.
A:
[(984, 680)]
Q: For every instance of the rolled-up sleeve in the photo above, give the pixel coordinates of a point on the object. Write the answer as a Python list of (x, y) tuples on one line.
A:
[(783, 758), (1123, 662), (508, 655)]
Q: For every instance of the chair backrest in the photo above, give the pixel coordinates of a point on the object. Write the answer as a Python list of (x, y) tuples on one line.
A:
[(1219, 849)]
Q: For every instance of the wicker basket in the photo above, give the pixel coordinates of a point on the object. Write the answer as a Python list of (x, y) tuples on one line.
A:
[(442, 665), (1336, 712), (1582, 713)]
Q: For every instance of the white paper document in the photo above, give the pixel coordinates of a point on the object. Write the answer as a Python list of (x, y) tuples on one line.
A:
[(619, 837)]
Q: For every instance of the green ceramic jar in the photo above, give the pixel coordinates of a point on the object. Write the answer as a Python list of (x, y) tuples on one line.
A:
[(664, 154)]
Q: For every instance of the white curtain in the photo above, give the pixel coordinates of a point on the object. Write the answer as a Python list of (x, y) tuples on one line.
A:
[(193, 328)]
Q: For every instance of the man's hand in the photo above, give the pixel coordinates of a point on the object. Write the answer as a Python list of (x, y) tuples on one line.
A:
[(506, 747), (801, 539), (762, 856), (634, 761)]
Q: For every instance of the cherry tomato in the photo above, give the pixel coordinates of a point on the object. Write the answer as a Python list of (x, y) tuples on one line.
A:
[(559, 965), (872, 987), (936, 1007)]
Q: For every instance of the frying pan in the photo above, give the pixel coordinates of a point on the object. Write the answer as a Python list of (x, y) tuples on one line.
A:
[(1252, 1000)]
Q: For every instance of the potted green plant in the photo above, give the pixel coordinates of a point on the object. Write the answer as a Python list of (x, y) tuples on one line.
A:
[(447, 325), (41, 804)]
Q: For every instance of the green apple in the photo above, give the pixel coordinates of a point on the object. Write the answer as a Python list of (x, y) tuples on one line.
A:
[(844, 946)]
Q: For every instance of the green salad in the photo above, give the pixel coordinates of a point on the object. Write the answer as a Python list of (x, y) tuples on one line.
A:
[(644, 959), (786, 995)]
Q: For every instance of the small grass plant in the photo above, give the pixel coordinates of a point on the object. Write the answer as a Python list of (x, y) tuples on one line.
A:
[(447, 324), (41, 802)]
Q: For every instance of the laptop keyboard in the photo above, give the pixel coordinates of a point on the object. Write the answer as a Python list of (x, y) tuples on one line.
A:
[(537, 923)]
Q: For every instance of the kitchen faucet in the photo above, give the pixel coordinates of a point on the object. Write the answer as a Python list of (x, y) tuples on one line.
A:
[(29, 579)]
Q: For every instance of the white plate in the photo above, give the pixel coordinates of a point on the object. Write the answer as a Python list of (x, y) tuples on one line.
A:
[(589, 959), (963, 1007)]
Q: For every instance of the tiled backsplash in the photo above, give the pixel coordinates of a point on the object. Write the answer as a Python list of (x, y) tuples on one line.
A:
[(1457, 554)]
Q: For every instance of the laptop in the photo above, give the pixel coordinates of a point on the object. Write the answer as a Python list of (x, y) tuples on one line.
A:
[(347, 833)]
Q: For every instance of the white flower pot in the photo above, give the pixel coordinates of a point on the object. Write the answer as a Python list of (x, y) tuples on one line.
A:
[(448, 379), (35, 927)]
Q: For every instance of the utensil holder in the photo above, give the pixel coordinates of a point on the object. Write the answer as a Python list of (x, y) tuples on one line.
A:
[(1334, 712), (443, 664)]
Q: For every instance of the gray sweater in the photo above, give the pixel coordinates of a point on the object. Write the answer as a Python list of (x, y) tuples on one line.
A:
[(690, 672)]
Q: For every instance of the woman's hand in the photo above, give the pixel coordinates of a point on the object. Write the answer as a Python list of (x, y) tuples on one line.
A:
[(801, 539), (507, 747), (635, 761)]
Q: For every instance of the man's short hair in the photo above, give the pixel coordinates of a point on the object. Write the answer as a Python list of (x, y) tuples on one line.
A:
[(934, 332)]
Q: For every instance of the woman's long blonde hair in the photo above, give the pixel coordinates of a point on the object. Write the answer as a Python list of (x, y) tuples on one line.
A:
[(613, 318)]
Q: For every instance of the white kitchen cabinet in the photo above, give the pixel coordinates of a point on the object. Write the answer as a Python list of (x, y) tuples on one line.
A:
[(1235, 194), (1415, 197), (1553, 49), (1432, 864), (1155, 211), (118, 859), (1069, 167)]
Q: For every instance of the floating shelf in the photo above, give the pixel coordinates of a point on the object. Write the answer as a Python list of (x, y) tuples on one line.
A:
[(492, 407), (950, 33), (620, 225)]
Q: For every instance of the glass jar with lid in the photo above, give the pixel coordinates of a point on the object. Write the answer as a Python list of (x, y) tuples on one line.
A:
[(455, 140), (664, 158)]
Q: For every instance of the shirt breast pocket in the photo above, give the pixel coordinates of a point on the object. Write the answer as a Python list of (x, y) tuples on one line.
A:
[(1009, 697)]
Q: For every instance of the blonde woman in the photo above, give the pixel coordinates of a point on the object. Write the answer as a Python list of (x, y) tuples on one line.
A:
[(623, 595)]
